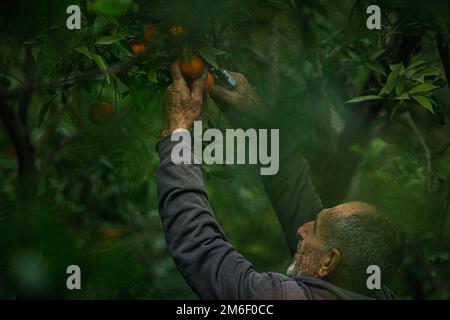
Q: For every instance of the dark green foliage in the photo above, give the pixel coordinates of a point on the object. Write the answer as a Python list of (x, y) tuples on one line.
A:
[(85, 194)]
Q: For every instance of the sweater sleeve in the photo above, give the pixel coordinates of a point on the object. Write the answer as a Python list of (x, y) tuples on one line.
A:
[(292, 194), (207, 261)]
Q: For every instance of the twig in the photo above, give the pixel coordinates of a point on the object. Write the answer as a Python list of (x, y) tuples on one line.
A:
[(86, 75), (423, 143), (27, 92)]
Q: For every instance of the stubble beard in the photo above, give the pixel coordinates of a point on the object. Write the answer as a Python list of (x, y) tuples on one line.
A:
[(294, 269)]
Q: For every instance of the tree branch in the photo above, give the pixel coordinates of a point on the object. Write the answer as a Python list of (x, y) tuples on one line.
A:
[(20, 138), (423, 143), (83, 76)]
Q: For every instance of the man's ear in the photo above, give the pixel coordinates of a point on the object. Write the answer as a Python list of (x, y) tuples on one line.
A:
[(329, 263)]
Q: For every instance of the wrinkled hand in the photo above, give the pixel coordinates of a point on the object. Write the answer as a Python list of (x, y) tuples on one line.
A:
[(241, 100), (184, 105)]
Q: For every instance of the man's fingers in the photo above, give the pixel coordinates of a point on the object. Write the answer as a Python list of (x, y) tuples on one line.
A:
[(239, 77), (222, 95), (198, 87), (236, 75), (177, 77)]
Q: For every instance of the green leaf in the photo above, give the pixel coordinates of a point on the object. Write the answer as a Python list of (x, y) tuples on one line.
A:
[(43, 112), (377, 146), (354, 55), (187, 54), (101, 63), (109, 40), (376, 54), (417, 64), (364, 98), (400, 87), (391, 80), (376, 66), (209, 57), (423, 87), (424, 102), (216, 51), (403, 96), (124, 49), (427, 74), (35, 51), (99, 24), (84, 50), (152, 76)]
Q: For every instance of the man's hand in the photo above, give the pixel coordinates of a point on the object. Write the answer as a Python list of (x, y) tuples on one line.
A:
[(183, 104), (242, 100)]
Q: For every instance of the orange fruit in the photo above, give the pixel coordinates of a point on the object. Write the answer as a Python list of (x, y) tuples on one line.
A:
[(136, 47), (192, 69), (149, 33), (176, 32), (101, 113), (209, 82), (110, 233)]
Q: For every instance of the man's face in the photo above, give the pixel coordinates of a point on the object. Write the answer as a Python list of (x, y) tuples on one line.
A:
[(309, 250), (311, 256)]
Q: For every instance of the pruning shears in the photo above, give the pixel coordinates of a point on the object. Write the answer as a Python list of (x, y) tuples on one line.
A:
[(221, 76)]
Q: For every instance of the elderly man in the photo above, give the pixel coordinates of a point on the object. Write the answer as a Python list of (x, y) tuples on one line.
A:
[(332, 248)]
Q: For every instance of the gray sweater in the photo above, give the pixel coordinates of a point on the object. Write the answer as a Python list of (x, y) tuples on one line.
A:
[(208, 262)]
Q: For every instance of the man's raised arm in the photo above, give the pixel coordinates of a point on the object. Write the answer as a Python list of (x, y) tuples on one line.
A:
[(291, 191), (292, 194), (210, 265)]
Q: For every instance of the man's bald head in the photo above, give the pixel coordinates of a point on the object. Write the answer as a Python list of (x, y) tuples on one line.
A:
[(365, 236), (343, 241)]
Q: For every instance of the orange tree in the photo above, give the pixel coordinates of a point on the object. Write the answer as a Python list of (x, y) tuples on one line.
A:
[(81, 112)]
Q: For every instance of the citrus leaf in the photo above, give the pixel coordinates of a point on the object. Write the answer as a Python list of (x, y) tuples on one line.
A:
[(187, 54), (417, 64), (364, 98), (391, 80), (376, 54), (403, 96), (101, 63), (109, 40), (35, 51), (376, 66), (43, 112), (354, 55), (423, 87), (424, 102), (84, 50), (152, 76), (209, 57), (400, 87)]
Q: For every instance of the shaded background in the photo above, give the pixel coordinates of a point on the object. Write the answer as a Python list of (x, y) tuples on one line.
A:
[(73, 192)]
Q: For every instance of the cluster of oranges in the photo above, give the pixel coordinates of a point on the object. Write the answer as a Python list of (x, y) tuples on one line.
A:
[(150, 32), (191, 70)]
